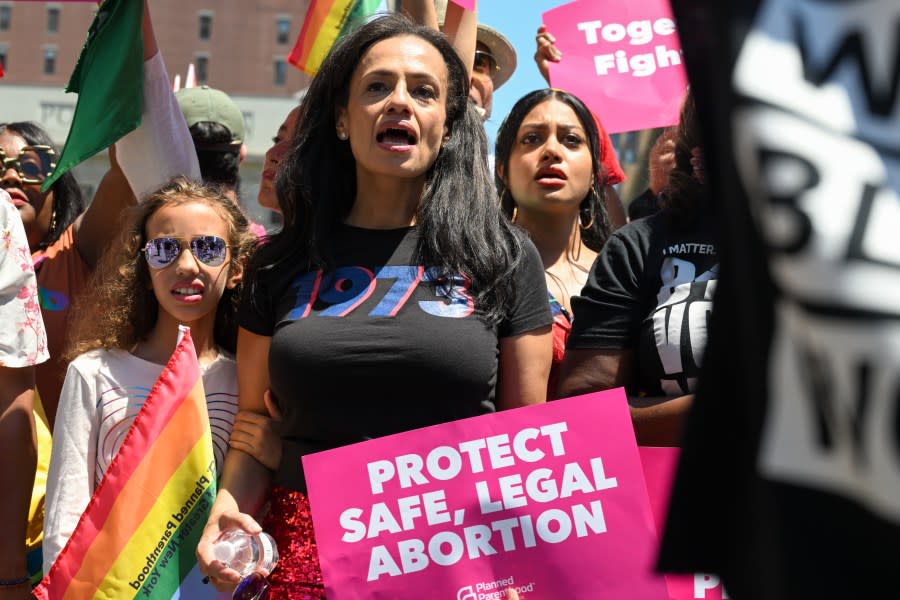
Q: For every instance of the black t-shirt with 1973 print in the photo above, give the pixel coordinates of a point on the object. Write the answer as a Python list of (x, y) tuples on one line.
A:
[(381, 344)]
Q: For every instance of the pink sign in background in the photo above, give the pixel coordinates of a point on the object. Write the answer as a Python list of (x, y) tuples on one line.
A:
[(622, 58), (573, 522), (466, 4), (659, 471)]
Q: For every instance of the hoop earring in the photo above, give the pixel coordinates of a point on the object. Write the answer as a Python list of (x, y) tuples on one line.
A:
[(590, 223)]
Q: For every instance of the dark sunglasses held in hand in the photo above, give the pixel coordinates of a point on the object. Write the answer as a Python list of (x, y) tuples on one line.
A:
[(211, 250), (254, 586)]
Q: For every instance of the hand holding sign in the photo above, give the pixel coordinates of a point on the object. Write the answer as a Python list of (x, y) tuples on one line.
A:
[(546, 52), (547, 500), (623, 58)]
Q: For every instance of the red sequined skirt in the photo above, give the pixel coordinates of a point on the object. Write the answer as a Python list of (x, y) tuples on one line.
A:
[(297, 575)]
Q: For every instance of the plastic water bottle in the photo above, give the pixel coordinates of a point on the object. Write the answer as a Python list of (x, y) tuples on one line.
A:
[(246, 553)]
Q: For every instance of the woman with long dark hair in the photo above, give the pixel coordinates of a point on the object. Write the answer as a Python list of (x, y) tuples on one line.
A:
[(66, 240), (550, 176), (641, 320), (396, 296)]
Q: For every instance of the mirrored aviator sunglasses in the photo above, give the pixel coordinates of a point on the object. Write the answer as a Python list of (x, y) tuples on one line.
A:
[(252, 587), (163, 251)]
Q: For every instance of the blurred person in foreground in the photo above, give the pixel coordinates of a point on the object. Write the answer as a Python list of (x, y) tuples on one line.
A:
[(789, 480), (23, 344)]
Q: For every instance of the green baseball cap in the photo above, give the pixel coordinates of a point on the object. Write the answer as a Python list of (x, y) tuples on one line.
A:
[(205, 104)]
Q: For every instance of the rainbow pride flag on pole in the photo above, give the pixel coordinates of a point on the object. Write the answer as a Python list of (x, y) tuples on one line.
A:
[(325, 22), (138, 536)]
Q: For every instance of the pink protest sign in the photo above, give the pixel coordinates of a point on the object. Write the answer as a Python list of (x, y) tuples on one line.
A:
[(659, 471), (622, 58), (465, 4), (548, 499)]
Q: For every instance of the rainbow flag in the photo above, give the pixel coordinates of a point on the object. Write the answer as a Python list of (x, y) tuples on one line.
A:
[(324, 23), (139, 533)]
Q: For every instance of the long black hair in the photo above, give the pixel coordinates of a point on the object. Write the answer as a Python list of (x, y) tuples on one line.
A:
[(67, 200), (592, 210), (461, 229)]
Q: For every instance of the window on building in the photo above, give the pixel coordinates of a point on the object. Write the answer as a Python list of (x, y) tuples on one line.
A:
[(5, 16), (49, 60), (280, 72), (201, 68), (205, 30), (283, 30), (3, 53), (52, 19)]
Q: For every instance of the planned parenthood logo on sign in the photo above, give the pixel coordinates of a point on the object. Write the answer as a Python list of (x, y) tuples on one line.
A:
[(547, 497), (493, 590)]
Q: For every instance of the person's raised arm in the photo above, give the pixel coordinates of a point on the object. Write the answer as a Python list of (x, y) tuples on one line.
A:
[(460, 26), (114, 193), (150, 46), (420, 11), (546, 52), (160, 148), (97, 225), (244, 480)]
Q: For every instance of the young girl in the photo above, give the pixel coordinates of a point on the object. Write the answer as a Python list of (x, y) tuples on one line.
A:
[(181, 263)]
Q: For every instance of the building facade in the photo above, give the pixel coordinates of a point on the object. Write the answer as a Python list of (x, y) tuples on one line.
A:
[(238, 46)]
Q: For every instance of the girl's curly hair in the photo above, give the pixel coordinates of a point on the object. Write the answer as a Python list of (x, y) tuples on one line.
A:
[(119, 308)]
